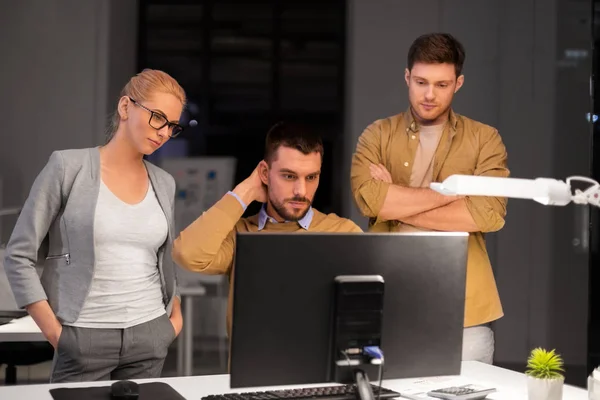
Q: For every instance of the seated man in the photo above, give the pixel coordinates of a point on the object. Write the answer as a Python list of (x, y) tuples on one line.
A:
[(285, 181)]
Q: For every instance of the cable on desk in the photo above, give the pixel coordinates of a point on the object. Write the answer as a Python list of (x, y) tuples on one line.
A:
[(345, 353), (377, 354)]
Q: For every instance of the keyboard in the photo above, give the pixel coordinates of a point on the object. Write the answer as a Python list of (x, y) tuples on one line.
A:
[(344, 392)]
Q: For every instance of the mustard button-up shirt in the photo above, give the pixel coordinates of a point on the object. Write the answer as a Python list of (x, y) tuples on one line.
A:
[(466, 147)]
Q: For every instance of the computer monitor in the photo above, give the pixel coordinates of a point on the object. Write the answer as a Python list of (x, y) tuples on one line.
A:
[(284, 290)]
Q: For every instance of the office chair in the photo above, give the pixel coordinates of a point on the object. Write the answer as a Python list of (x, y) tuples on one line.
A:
[(17, 354)]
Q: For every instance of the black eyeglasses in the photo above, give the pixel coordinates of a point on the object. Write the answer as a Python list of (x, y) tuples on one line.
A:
[(159, 121)]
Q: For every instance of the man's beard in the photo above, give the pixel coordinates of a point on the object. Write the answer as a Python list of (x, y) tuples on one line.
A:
[(283, 212), (428, 121)]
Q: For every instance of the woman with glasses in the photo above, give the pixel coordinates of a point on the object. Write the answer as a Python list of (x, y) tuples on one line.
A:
[(99, 222)]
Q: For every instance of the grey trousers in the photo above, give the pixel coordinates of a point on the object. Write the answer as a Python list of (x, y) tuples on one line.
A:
[(478, 344), (91, 354)]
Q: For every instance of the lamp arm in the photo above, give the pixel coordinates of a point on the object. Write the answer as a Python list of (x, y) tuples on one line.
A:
[(591, 195), (547, 191)]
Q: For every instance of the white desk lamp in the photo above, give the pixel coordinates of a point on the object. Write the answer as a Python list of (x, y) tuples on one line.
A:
[(543, 190)]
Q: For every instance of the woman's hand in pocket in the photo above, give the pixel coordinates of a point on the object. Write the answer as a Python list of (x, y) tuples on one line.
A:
[(54, 336), (177, 324), (176, 318), (46, 320)]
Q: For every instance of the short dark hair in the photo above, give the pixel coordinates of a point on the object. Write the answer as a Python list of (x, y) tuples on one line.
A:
[(437, 48), (293, 135)]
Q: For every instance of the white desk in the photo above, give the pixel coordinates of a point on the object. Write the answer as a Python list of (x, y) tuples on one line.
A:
[(21, 330), (25, 330), (511, 385)]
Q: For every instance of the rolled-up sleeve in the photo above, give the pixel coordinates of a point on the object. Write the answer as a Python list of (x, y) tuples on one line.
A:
[(207, 245), (369, 194), (489, 212)]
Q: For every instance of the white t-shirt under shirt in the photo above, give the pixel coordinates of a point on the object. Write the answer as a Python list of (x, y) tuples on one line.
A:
[(422, 169), (126, 288)]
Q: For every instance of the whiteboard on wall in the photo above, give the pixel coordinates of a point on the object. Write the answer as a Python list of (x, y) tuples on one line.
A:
[(201, 182)]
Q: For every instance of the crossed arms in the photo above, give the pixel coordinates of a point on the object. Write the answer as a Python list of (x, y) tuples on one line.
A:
[(377, 197)]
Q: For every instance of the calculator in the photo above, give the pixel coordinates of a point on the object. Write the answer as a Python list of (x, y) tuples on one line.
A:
[(465, 392)]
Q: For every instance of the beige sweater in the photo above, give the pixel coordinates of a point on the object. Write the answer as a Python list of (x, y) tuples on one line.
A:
[(208, 244)]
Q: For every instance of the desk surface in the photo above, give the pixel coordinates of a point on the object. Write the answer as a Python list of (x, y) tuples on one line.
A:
[(21, 330), (25, 329), (511, 385)]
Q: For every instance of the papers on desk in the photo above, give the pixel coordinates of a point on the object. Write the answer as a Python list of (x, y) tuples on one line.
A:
[(418, 388)]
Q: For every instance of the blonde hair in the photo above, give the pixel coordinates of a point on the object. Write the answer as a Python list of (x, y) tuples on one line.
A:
[(141, 87)]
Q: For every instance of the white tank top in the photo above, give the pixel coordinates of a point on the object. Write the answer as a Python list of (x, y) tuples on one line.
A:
[(126, 287)]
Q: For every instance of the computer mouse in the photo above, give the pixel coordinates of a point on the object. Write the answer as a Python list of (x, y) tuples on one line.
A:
[(124, 390)]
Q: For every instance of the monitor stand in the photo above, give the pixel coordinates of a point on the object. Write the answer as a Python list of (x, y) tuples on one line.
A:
[(363, 387), (356, 323), (355, 370)]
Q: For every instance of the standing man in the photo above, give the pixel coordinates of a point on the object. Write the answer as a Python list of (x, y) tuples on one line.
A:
[(398, 157)]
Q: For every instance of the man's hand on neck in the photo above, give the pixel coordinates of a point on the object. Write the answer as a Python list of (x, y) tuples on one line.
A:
[(252, 189)]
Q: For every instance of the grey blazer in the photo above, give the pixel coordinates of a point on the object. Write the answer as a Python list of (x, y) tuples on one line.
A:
[(55, 231)]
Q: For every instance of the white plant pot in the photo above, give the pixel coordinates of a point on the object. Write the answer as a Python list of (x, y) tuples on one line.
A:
[(545, 389)]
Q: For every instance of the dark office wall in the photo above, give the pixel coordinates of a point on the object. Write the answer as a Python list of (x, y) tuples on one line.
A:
[(517, 80), (58, 73), (572, 155), (122, 48)]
